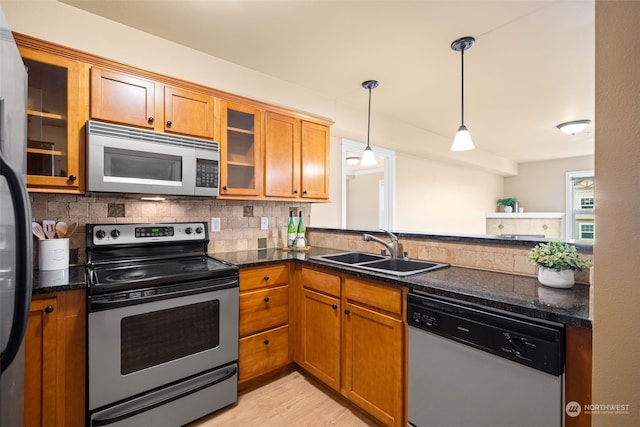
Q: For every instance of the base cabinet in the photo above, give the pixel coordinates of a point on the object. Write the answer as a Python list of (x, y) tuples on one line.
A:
[(264, 317), (351, 338), (54, 381)]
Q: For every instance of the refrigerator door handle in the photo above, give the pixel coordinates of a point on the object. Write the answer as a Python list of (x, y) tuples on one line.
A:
[(24, 273)]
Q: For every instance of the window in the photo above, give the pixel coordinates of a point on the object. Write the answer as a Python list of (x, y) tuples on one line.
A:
[(580, 206), (586, 231)]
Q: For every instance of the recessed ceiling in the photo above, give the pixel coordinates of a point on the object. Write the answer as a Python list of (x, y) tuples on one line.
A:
[(532, 67)]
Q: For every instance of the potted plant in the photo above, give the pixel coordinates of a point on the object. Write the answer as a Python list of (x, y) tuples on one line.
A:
[(557, 261), (508, 203)]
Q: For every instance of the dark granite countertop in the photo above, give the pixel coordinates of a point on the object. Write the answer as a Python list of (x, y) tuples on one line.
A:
[(518, 294), (45, 282)]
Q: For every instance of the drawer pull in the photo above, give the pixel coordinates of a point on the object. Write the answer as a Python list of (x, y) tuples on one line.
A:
[(334, 306), (266, 342), (266, 278), (266, 299), (48, 309)]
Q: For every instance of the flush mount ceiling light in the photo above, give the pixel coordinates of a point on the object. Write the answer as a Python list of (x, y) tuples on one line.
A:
[(462, 141), (576, 126), (353, 160), (368, 158)]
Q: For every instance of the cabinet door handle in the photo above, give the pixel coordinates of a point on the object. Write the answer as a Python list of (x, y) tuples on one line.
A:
[(347, 311), (266, 278), (151, 120), (224, 187), (266, 299), (169, 123), (266, 342), (304, 192), (48, 309), (334, 306), (295, 191), (72, 178)]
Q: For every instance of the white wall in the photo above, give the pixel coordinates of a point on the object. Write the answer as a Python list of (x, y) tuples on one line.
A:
[(540, 186), (436, 197)]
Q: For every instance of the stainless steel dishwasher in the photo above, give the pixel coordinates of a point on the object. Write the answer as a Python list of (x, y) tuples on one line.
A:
[(474, 366)]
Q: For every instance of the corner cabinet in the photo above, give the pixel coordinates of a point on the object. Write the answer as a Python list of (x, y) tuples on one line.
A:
[(240, 149), (296, 158), (55, 145), (54, 367), (351, 337), (135, 101)]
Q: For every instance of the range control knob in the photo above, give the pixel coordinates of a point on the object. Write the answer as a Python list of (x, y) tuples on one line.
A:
[(115, 233), (188, 230), (100, 234), (199, 230)]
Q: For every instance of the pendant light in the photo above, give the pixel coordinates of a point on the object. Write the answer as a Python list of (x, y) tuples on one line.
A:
[(462, 141), (368, 158)]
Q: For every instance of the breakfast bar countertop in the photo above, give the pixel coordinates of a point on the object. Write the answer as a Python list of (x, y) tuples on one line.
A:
[(509, 292)]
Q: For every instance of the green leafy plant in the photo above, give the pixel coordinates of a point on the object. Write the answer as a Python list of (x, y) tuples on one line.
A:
[(558, 256), (509, 201)]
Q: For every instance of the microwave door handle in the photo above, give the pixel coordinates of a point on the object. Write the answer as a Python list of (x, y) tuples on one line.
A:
[(23, 274)]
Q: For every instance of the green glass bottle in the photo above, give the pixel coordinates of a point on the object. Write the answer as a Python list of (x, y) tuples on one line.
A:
[(291, 231), (300, 238)]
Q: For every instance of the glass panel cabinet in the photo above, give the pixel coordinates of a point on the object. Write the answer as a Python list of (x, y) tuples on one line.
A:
[(53, 148), (241, 170)]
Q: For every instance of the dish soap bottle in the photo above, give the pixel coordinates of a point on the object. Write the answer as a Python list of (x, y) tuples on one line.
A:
[(300, 239), (291, 232)]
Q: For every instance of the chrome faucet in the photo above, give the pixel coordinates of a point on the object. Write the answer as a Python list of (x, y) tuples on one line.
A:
[(392, 247)]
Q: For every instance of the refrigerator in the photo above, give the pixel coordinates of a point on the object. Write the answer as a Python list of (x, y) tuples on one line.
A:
[(16, 257)]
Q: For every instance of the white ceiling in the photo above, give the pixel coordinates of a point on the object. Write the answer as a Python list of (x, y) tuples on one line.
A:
[(532, 67)]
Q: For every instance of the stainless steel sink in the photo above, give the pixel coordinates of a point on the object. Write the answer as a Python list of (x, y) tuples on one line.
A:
[(370, 262)]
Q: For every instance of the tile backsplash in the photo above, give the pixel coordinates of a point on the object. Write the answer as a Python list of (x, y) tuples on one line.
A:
[(239, 220)]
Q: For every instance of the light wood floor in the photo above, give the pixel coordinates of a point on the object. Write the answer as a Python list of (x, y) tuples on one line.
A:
[(290, 400)]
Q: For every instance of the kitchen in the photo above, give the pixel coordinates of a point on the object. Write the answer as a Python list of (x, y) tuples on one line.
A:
[(72, 206)]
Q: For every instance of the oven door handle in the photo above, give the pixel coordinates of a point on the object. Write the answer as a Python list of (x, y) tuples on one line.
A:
[(98, 304), (161, 397)]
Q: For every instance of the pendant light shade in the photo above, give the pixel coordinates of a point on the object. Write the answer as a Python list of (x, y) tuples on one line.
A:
[(462, 141), (368, 158)]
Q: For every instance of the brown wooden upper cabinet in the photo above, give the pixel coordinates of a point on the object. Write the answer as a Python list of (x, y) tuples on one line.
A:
[(135, 101), (55, 156), (240, 149), (296, 158)]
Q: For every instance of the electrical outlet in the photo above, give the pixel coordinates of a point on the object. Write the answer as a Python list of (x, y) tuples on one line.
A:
[(215, 225), (264, 223)]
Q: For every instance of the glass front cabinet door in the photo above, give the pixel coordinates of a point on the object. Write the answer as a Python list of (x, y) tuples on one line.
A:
[(53, 135), (240, 149)]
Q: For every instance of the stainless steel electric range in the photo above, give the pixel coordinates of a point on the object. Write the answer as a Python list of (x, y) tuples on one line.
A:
[(162, 325)]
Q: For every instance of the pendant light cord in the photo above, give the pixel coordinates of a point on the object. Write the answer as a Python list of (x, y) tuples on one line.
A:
[(462, 83), (369, 118)]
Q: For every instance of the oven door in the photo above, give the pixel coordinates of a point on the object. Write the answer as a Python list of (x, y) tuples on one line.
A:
[(146, 343)]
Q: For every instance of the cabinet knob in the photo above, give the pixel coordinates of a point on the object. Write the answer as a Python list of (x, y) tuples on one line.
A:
[(347, 311), (334, 306), (72, 178), (224, 187), (295, 191), (266, 299), (169, 123), (265, 342), (151, 120), (48, 309), (304, 192), (266, 278)]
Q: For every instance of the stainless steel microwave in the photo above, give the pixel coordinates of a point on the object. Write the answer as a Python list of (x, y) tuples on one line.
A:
[(128, 160)]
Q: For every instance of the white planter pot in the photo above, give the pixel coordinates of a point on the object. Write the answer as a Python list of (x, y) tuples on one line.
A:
[(555, 278), (508, 209)]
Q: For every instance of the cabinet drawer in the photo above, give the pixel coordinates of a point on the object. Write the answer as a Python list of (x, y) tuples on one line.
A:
[(255, 278), (321, 282), (263, 352), (263, 309), (378, 296)]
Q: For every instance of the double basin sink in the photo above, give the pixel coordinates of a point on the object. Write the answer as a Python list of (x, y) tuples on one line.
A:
[(381, 264)]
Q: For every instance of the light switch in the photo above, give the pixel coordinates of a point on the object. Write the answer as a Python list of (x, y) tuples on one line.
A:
[(264, 223)]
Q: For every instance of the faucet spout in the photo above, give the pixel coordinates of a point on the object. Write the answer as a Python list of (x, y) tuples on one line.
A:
[(392, 247)]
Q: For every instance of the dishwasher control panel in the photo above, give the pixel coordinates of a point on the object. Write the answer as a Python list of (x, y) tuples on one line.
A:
[(532, 342)]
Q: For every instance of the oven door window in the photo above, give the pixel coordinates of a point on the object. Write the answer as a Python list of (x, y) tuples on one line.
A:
[(150, 339), (133, 166)]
